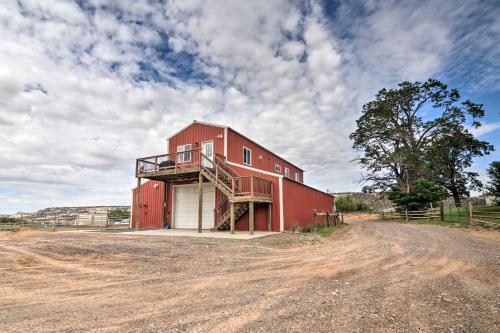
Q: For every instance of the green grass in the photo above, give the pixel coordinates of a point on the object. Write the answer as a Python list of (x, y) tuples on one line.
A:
[(10, 227), (322, 231), (462, 224)]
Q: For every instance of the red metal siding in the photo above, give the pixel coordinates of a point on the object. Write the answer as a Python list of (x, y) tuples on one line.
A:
[(300, 200), (261, 158), (195, 135), (260, 219), (151, 203), (261, 209)]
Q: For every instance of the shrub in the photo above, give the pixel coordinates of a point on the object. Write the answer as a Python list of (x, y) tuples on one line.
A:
[(346, 203)]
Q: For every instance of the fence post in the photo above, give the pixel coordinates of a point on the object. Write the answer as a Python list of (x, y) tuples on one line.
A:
[(107, 218), (406, 215), (77, 220), (441, 211), (470, 213), (92, 220), (432, 208), (54, 222)]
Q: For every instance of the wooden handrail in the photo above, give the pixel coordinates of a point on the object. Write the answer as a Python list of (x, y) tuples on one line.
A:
[(222, 163), (154, 160)]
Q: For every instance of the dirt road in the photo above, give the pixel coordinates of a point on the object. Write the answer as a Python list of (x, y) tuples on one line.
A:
[(379, 277)]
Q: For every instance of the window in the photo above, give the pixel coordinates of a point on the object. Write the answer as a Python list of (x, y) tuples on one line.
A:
[(287, 172), (277, 168), (184, 153), (297, 177), (247, 156)]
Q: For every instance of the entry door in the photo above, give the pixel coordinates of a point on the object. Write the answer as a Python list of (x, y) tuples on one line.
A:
[(207, 148)]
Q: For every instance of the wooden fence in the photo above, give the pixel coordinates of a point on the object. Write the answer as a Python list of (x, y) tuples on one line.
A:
[(408, 215), (326, 219), (473, 215), (488, 216)]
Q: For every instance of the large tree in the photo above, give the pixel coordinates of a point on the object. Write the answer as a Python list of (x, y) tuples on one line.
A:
[(494, 183), (450, 156), (396, 130)]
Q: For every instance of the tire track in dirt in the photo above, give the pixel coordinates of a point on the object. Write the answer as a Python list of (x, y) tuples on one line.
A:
[(372, 276)]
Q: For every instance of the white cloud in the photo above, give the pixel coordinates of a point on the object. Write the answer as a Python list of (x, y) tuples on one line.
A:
[(485, 129), (74, 116)]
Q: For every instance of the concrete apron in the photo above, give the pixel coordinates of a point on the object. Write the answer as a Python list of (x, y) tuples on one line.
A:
[(244, 235)]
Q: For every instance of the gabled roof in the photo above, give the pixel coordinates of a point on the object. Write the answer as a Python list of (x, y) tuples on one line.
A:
[(196, 122), (221, 126)]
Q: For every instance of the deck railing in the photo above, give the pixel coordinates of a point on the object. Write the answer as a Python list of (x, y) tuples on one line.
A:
[(179, 160), (253, 186)]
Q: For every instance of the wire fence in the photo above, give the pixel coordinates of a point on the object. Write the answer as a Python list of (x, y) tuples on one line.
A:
[(62, 219)]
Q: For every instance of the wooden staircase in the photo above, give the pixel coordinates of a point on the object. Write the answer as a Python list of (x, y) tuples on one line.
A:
[(239, 191), (222, 176), (224, 221), (220, 179)]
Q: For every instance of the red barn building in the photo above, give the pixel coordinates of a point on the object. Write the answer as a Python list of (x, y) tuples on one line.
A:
[(212, 177)]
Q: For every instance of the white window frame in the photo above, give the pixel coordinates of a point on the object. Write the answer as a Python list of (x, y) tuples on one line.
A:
[(186, 157), (287, 172), (249, 155), (297, 177), (277, 168)]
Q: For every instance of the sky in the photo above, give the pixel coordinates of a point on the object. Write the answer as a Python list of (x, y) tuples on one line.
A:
[(88, 86)]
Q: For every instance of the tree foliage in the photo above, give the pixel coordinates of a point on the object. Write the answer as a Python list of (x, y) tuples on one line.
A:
[(118, 213), (494, 175), (422, 194), (346, 203), (401, 134), (450, 156)]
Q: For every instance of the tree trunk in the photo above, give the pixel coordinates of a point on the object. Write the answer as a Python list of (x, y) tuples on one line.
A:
[(456, 198)]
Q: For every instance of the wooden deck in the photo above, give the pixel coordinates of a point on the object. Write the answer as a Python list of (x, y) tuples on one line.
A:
[(170, 174)]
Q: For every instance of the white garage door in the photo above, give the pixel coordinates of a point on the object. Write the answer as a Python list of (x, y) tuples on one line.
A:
[(186, 206)]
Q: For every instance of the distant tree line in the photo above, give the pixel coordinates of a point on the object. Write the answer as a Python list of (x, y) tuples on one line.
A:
[(6, 219), (414, 143)]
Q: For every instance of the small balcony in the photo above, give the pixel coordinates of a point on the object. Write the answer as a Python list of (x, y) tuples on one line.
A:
[(167, 166)]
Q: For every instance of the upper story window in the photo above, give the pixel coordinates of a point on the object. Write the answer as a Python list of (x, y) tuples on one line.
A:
[(277, 168), (297, 177), (184, 153), (247, 156), (287, 172)]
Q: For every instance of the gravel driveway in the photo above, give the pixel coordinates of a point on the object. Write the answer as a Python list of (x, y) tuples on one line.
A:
[(377, 277)]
